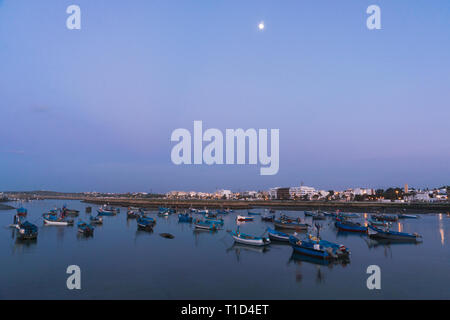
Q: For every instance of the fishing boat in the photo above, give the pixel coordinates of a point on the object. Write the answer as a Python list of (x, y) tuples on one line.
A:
[(290, 224), (318, 248), (27, 230), (309, 214), (216, 221), (271, 211), (22, 212), (244, 218), (253, 213), (202, 211), (107, 211), (349, 226), (385, 217), (85, 228), (268, 218), (131, 214), (222, 212), (70, 212), (96, 220), (54, 220), (199, 224), (347, 215), (407, 216), (184, 218), (164, 212), (243, 238), (193, 210), (277, 235), (145, 223), (211, 215), (378, 223), (387, 234)]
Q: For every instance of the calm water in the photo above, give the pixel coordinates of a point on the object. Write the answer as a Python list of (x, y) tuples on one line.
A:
[(120, 262)]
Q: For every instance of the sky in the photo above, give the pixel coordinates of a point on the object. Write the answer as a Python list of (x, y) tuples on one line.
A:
[(94, 109)]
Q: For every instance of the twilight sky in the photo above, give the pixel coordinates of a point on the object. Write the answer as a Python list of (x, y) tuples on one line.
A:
[(93, 109)]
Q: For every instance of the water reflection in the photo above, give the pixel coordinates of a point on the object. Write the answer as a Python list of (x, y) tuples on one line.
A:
[(241, 248), (441, 229)]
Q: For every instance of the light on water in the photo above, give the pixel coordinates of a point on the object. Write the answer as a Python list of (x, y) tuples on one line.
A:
[(120, 262)]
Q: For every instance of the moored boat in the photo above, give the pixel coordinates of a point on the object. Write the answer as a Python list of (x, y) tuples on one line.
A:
[(268, 218), (27, 230), (289, 224), (96, 220), (349, 226), (85, 228), (199, 224), (244, 218), (318, 248), (145, 223), (407, 216), (132, 214), (243, 238), (253, 213), (53, 220), (184, 217), (107, 211), (277, 235), (22, 212), (387, 234), (385, 217)]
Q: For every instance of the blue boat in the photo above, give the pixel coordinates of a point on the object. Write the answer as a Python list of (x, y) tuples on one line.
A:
[(131, 214), (243, 238), (22, 212), (349, 226), (96, 220), (204, 225), (216, 221), (318, 248), (27, 230), (277, 235), (253, 213), (290, 224), (268, 218), (145, 223), (222, 212), (107, 211), (387, 234), (184, 218), (85, 228)]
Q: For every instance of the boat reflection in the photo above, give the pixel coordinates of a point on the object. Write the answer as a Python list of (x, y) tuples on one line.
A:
[(441, 229), (240, 248)]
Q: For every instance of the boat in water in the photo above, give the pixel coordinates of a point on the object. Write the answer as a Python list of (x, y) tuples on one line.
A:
[(387, 234), (96, 220), (85, 228), (385, 217), (243, 238), (244, 218), (290, 224), (407, 216), (70, 212), (132, 214), (55, 220), (253, 213), (26, 230), (107, 211), (277, 235), (349, 226), (316, 247), (268, 218), (205, 225), (184, 218), (22, 212), (145, 223)]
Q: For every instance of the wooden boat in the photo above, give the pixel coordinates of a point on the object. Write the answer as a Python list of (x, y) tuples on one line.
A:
[(349, 226), (85, 228), (107, 211), (96, 220), (199, 224), (54, 220), (214, 220), (22, 212), (70, 212), (253, 213), (385, 217), (184, 218), (407, 216), (277, 235), (378, 223), (164, 212), (347, 215), (244, 218), (145, 223), (315, 247), (249, 239), (27, 230), (268, 218), (387, 234), (131, 214), (289, 224)]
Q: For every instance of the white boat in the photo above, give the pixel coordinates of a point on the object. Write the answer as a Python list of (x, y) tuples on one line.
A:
[(57, 222), (248, 239), (244, 218)]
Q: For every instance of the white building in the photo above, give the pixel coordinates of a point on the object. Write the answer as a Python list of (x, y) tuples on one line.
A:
[(298, 192), (224, 193)]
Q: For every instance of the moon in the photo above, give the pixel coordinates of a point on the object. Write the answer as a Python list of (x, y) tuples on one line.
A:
[(261, 25)]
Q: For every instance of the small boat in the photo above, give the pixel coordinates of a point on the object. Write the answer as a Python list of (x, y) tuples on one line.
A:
[(268, 218), (216, 221), (378, 223), (53, 220), (349, 226), (167, 235), (199, 224), (244, 218), (27, 230), (407, 216), (289, 224), (145, 223), (193, 210), (318, 248), (131, 214), (107, 211), (96, 220), (22, 212), (70, 212), (387, 234), (309, 214), (277, 235), (88, 209), (211, 215), (253, 213), (385, 217), (347, 215), (184, 218), (222, 212), (249, 239), (202, 211), (85, 228), (315, 215)]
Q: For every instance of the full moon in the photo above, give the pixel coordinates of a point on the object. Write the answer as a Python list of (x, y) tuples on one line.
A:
[(261, 26)]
